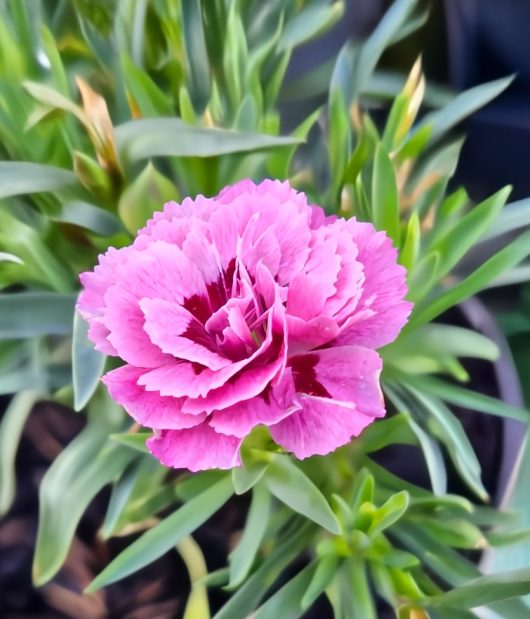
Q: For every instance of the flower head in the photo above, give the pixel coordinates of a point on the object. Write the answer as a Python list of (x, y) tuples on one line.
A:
[(248, 308)]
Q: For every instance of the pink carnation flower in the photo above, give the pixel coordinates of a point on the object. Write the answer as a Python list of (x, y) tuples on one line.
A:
[(248, 308)]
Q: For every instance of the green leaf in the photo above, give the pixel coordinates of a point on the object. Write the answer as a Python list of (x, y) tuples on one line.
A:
[(451, 432), (245, 478), (455, 532), (76, 476), (397, 114), (411, 243), (390, 431), (382, 37), (170, 137), (421, 278), (447, 563), (121, 493), (439, 340), (90, 217), (243, 556), (389, 513), (39, 263), (460, 237), (431, 451), (339, 138), (145, 195), (157, 541), (309, 23), (11, 427), (199, 77), (53, 99), (87, 364), (34, 314), (385, 201), (471, 399), (248, 596), (513, 216), (433, 458), (363, 489), (235, 57), (291, 486), (134, 440), (323, 575), (146, 95), (463, 105), (477, 281), (285, 603), (486, 590), (354, 583), (20, 177)]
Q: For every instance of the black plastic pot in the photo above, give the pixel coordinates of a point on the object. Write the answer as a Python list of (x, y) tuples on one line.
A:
[(488, 39)]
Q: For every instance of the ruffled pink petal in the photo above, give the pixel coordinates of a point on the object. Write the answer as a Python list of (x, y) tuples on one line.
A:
[(125, 321), (306, 335), (306, 297), (196, 449), (162, 271), (98, 333), (241, 418), (148, 408), (91, 304), (177, 332), (383, 292), (181, 379), (319, 428), (244, 386), (350, 278), (282, 212), (346, 374)]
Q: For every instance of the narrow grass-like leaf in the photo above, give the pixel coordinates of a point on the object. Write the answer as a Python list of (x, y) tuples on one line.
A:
[(11, 427), (323, 575), (286, 602), (471, 399), (385, 200), (34, 314), (82, 469), (199, 77), (478, 280), (87, 364), (134, 440), (291, 486), (389, 513), (372, 49), (249, 595), (90, 217), (242, 557), (146, 95), (21, 177), (513, 216), (310, 23), (463, 105), (430, 448), (486, 590), (411, 243), (467, 231), (170, 137), (433, 458), (157, 541), (121, 493), (453, 435)]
